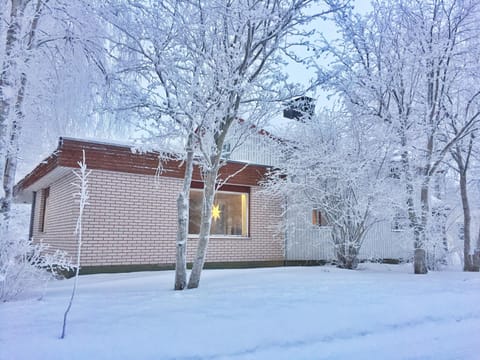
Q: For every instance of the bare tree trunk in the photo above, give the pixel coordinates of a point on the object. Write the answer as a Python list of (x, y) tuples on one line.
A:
[(347, 256), (420, 255), (13, 107), (462, 157), (208, 198), (8, 67), (445, 249), (11, 157), (476, 254), (210, 182), (419, 258), (419, 261), (467, 256), (7, 85), (478, 239), (183, 207), (83, 195), (9, 173)]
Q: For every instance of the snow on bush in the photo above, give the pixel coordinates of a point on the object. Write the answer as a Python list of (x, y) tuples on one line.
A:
[(25, 265)]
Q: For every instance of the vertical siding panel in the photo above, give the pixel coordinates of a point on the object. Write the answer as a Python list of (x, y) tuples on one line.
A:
[(308, 242)]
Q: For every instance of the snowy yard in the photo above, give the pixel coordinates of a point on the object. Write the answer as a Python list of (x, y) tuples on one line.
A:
[(378, 312)]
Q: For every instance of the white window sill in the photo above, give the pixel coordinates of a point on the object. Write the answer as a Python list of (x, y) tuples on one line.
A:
[(229, 237)]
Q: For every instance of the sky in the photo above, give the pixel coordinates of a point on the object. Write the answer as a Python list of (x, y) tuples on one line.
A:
[(299, 73), (303, 75)]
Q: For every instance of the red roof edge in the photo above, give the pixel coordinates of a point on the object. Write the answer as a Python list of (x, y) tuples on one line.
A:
[(121, 158), (39, 171)]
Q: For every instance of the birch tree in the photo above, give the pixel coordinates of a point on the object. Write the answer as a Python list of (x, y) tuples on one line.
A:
[(158, 82), (397, 66), (461, 155), (195, 69), (38, 38), (464, 107), (12, 90), (248, 38)]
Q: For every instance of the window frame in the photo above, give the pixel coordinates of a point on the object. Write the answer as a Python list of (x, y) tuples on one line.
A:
[(318, 219), (44, 209), (398, 223), (229, 189)]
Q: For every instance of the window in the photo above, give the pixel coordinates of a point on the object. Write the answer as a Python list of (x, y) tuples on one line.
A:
[(44, 208), (399, 222), (229, 213), (461, 231), (318, 218), (226, 150), (395, 170)]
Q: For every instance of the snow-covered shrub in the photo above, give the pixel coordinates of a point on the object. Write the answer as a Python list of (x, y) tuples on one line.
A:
[(25, 265), (335, 168)]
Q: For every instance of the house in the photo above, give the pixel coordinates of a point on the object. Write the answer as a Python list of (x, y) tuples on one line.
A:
[(131, 222)]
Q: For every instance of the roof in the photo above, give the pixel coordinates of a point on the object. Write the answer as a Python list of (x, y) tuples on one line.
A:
[(122, 158)]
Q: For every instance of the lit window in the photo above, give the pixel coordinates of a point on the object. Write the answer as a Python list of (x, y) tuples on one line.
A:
[(229, 213), (318, 218)]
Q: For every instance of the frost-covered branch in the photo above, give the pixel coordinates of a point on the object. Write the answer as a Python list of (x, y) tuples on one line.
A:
[(332, 164), (83, 196), (401, 66), (200, 67)]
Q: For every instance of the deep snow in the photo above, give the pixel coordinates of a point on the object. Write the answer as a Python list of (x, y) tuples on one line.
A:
[(377, 312)]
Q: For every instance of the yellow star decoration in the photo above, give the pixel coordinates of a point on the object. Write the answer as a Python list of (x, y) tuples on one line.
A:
[(216, 212)]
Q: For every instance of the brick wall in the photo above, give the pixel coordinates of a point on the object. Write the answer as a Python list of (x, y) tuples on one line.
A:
[(61, 216), (131, 220)]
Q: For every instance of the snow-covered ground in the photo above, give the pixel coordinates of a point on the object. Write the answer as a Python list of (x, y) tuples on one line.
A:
[(378, 312)]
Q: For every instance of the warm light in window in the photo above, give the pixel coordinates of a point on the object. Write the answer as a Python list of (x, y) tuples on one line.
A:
[(229, 213), (244, 215), (216, 212)]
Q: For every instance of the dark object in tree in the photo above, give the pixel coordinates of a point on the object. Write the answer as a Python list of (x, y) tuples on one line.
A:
[(300, 108)]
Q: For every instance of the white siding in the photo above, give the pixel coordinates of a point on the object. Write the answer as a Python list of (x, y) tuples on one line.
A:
[(305, 241), (256, 149), (383, 243)]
